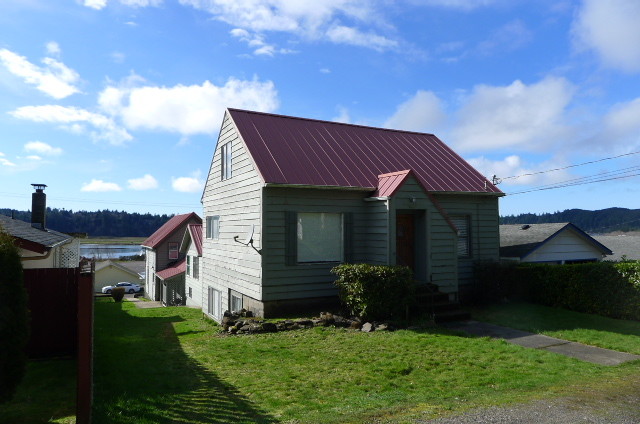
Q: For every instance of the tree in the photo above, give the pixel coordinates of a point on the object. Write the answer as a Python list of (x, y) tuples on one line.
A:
[(14, 326)]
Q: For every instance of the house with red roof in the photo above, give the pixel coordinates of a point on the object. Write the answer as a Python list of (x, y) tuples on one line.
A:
[(165, 264), (288, 198), (191, 247)]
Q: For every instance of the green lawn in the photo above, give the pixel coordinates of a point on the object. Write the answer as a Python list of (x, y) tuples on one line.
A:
[(170, 365), (46, 394), (593, 330)]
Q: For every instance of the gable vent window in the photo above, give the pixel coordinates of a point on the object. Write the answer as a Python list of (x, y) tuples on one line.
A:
[(225, 161), (464, 239)]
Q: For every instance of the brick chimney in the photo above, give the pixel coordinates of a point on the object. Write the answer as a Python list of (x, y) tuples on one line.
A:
[(39, 207)]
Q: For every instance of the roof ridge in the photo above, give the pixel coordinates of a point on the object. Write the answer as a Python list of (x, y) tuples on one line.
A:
[(323, 121)]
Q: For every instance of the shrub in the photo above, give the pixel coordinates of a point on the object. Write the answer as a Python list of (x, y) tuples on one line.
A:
[(603, 288), (14, 326), (117, 293), (375, 291)]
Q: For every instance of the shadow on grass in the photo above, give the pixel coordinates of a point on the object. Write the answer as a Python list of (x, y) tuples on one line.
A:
[(142, 375)]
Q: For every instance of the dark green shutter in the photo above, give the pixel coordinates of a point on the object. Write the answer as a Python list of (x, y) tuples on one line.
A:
[(348, 237), (290, 238)]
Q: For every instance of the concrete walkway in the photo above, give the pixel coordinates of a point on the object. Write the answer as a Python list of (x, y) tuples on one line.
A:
[(580, 351), (143, 304)]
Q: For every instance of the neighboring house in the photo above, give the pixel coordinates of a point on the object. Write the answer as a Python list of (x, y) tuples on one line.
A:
[(624, 246), (40, 247), (108, 273), (558, 243), (287, 199), (191, 247), (164, 263)]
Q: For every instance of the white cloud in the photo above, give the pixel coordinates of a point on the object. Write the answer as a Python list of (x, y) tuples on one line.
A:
[(315, 20), (42, 148), (34, 158), (325, 70), (457, 4), (257, 42), (509, 37), (118, 57), (517, 115), (194, 109), (187, 184), (341, 34), (54, 79), (343, 116), (95, 4), (515, 166), (621, 125), (423, 113), (53, 48), (147, 182), (611, 29), (4, 161), (100, 186), (76, 120)]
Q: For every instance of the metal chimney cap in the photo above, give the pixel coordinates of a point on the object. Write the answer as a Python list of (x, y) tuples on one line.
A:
[(38, 187)]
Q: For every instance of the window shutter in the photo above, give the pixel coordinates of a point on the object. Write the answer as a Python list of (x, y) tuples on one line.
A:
[(290, 238), (348, 236)]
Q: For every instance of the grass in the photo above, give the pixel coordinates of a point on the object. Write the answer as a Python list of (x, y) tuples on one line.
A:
[(170, 365), (46, 394), (593, 330)]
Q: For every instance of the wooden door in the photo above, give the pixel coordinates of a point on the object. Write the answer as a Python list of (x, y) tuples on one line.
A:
[(406, 240)]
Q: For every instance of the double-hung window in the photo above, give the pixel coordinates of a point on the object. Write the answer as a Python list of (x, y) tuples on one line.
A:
[(214, 303), (173, 250), (189, 265), (213, 227), (225, 161), (464, 238), (195, 268)]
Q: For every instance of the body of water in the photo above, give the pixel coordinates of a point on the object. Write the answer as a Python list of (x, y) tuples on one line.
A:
[(109, 251)]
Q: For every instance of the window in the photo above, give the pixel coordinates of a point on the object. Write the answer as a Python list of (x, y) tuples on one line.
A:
[(195, 269), (214, 306), (464, 239), (225, 161), (235, 301), (190, 292), (320, 237), (213, 227), (173, 250), (189, 267)]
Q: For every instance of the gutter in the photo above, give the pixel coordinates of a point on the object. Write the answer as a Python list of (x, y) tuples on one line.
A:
[(323, 187)]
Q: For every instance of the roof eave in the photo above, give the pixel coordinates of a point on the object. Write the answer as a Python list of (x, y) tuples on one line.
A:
[(321, 187)]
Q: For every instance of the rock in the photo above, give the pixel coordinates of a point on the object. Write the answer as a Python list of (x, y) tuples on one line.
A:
[(227, 313), (355, 325), (248, 314), (367, 327), (304, 322), (382, 327), (269, 327)]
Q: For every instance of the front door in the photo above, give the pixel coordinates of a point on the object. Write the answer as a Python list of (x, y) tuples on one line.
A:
[(406, 240)]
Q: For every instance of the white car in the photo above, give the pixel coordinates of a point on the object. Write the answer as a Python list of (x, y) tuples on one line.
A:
[(128, 288)]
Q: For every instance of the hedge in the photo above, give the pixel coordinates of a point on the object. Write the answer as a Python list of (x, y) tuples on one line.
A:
[(603, 288), (375, 291)]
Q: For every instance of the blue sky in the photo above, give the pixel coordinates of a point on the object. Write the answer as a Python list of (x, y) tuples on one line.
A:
[(116, 104)]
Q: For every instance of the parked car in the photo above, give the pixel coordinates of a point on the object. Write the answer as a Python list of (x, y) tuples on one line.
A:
[(128, 288)]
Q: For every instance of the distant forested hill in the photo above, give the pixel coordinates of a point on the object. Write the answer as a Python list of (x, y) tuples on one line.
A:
[(103, 223), (602, 221)]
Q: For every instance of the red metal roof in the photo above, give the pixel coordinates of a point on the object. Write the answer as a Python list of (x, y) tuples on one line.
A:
[(176, 269), (299, 151), (196, 236), (168, 228), (389, 183)]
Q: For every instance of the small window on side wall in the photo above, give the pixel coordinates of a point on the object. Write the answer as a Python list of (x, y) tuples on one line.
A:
[(173, 250), (225, 161), (213, 227), (464, 238), (235, 302)]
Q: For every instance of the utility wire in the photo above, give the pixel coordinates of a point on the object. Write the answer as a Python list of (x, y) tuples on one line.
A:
[(497, 180), (574, 183)]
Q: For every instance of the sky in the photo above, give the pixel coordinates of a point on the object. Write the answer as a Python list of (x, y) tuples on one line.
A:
[(117, 104)]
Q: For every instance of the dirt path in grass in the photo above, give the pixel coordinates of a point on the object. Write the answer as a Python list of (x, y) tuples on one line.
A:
[(615, 402)]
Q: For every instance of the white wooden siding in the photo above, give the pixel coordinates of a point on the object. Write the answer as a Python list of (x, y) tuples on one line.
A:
[(566, 246), (225, 263)]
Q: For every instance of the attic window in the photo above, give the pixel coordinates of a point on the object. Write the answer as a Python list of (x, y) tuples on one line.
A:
[(173, 250), (464, 241), (225, 161)]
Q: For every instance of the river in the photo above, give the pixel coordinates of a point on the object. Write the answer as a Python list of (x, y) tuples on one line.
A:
[(109, 251)]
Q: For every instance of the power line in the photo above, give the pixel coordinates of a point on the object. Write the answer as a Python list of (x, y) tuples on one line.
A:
[(580, 181), (497, 180)]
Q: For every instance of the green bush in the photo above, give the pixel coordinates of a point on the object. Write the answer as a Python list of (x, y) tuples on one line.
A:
[(117, 293), (602, 288), (375, 291), (14, 324)]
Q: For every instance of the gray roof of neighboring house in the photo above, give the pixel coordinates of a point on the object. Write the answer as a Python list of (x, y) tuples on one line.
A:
[(622, 245), (29, 236), (133, 267), (518, 240)]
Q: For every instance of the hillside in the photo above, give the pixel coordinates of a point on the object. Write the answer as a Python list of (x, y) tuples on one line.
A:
[(103, 223), (594, 222)]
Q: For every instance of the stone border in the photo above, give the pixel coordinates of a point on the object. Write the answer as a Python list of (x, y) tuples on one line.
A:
[(244, 323)]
